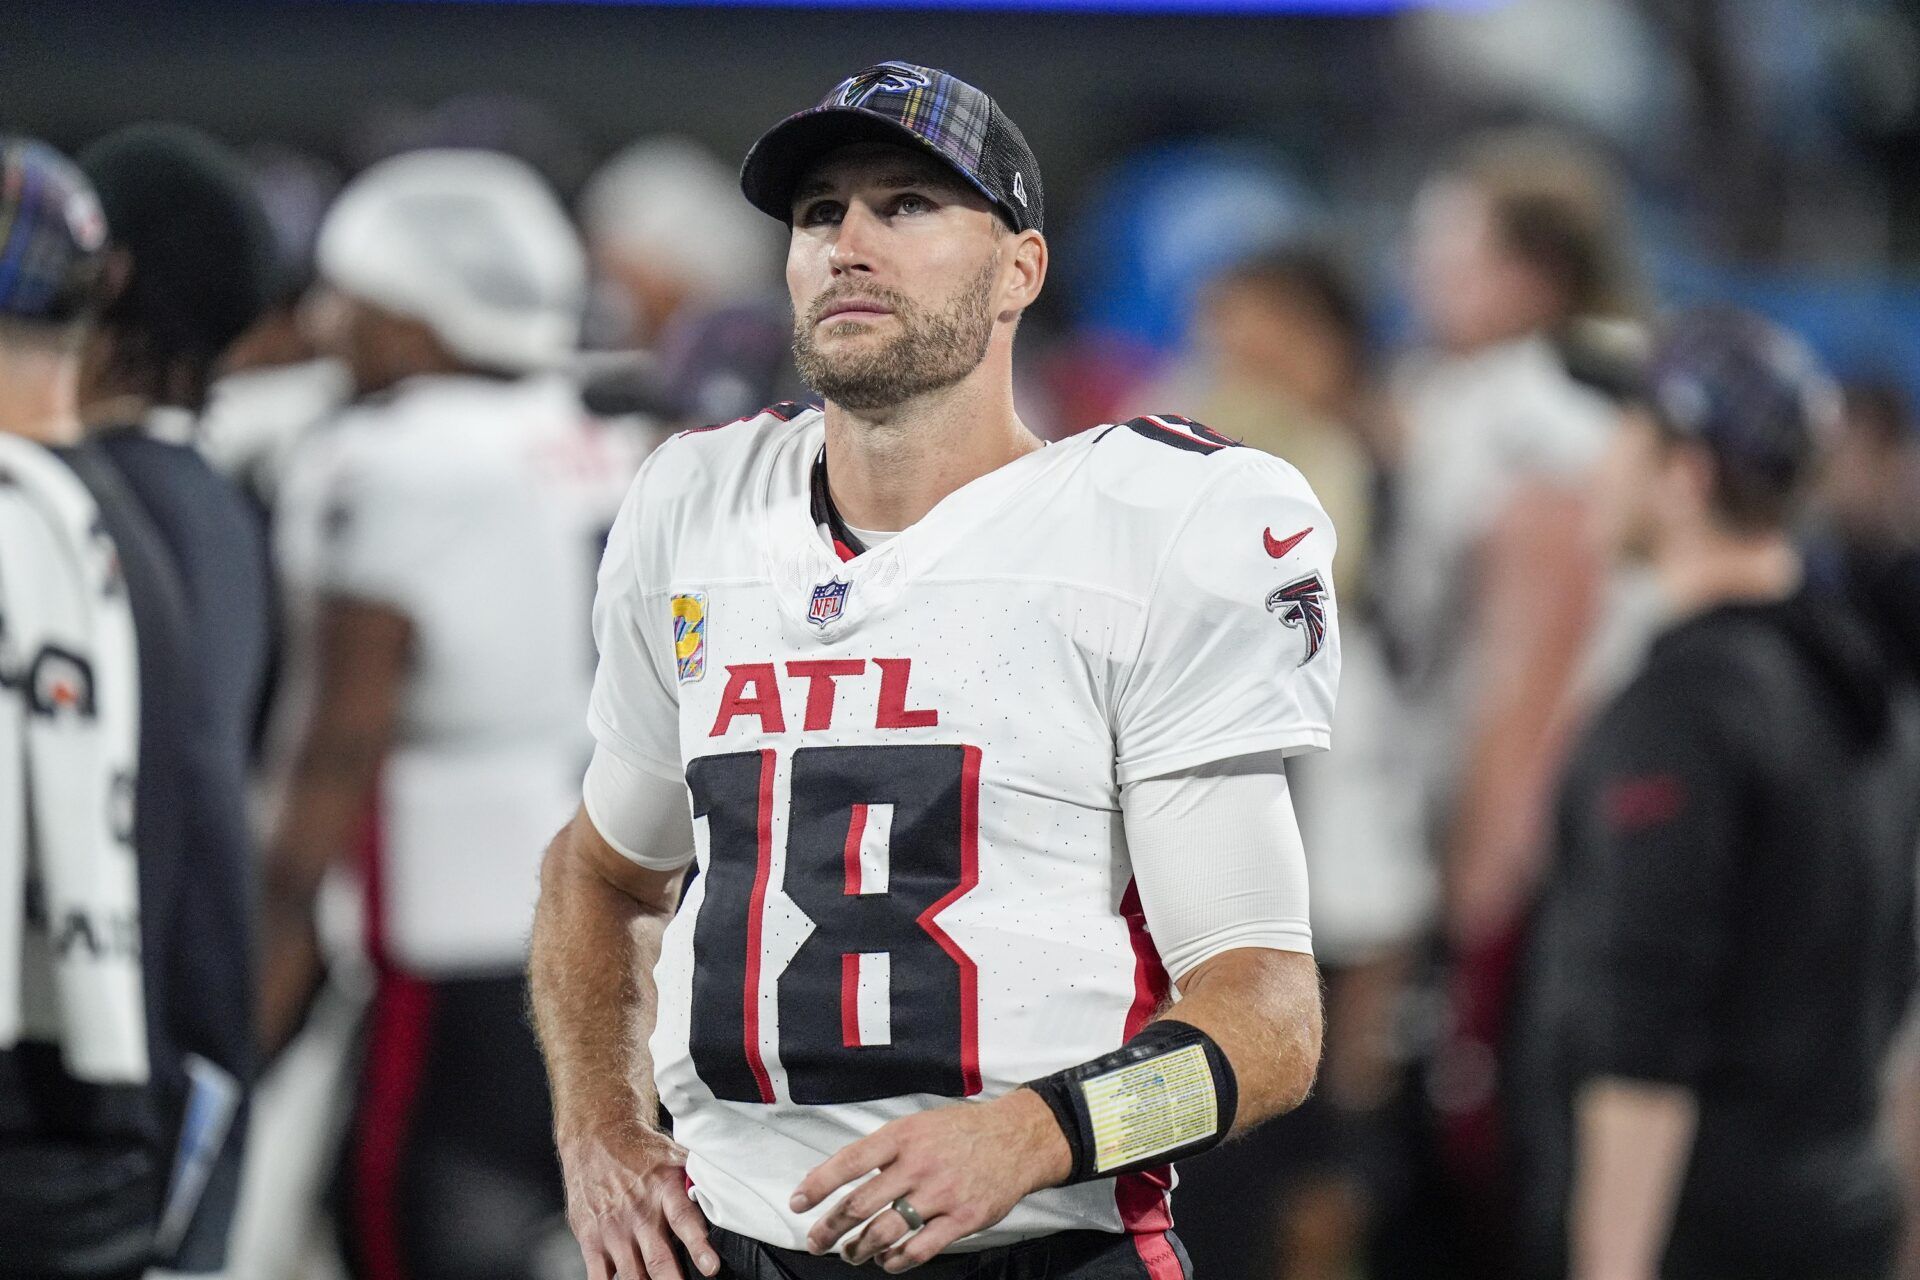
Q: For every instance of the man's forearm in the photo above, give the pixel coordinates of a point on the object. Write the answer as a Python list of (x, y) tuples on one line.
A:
[(591, 974), (323, 819), (1262, 1008), (1632, 1142), (364, 652)]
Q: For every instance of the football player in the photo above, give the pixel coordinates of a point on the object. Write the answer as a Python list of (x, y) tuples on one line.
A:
[(438, 545), (978, 746)]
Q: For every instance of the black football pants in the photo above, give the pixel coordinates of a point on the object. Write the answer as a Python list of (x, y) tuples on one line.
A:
[(1066, 1255), (450, 1173)]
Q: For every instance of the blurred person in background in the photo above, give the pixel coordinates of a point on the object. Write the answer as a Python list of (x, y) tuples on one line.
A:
[(295, 190), (1726, 943), (670, 239), (438, 545), (1868, 507), (187, 272), (687, 279), (85, 1139), (1157, 227), (1514, 243), (1488, 593), (274, 384), (1283, 361)]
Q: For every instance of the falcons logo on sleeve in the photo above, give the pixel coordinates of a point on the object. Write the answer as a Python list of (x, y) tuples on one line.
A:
[(1302, 605)]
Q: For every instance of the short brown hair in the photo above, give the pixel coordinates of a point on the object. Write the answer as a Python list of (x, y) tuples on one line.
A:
[(1558, 207)]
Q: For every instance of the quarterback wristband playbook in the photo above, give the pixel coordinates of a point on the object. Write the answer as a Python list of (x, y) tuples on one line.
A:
[(1166, 1094)]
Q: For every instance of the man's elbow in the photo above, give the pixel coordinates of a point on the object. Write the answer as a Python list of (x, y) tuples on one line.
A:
[(581, 861), (1295, 1026), (1300, 1032), (1273, 999), (556, 862), (550, 891)]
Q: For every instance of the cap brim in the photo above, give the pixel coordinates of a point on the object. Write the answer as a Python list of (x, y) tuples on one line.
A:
[(777, 162)]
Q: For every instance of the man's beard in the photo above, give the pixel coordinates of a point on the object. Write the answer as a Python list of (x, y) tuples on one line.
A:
[(932, 350)]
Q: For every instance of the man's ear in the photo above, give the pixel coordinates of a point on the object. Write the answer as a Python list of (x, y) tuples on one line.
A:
[(1028, 257)]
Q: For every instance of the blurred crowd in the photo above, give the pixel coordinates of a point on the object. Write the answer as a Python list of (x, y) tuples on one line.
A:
[(357, 437)]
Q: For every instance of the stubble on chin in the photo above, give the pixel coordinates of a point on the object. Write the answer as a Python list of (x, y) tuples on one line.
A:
[(930, 351)]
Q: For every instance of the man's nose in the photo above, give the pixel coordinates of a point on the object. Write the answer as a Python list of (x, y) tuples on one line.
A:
[(855, 240)]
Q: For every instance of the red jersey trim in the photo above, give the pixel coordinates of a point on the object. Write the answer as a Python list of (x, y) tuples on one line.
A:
[(763, 869), (969, 877), (785, 411), (1141, 1198)]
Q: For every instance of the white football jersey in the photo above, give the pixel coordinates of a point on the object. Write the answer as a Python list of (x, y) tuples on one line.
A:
[(1480, 427), (905, 771), (478, 509)]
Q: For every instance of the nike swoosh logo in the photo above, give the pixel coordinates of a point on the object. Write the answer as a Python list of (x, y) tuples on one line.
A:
[(1278, 547)]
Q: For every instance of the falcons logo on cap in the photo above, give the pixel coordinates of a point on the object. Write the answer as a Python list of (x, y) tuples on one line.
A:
[(888, 77), (1302, 605)]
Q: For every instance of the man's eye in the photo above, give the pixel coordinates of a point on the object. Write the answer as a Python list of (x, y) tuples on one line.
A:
[(912, 204), (820, 213)]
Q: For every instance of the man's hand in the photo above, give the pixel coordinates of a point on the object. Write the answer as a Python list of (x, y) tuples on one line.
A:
[(596, 936), (961, 1168), (627, 1200)]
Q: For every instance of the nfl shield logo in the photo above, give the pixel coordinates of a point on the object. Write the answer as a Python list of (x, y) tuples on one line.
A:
[(829, 602)]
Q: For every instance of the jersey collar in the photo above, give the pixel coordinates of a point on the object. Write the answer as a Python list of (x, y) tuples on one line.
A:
[(799, 561), (846, 544)]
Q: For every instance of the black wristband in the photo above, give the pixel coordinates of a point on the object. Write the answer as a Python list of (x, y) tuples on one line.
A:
[(1166, 1094)]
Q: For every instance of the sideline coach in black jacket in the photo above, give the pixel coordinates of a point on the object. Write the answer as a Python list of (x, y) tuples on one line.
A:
[(1726, 942)]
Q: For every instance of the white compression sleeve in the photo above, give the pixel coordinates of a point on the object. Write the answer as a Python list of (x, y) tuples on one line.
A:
[(638, 812), (1218, 860)]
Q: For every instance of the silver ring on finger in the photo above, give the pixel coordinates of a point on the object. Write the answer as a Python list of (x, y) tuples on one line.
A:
[(909, 1214)]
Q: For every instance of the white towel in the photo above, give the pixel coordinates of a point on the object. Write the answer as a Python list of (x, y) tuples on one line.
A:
[(69, 741)]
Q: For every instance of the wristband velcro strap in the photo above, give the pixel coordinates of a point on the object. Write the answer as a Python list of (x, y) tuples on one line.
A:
[(1166, 1094)]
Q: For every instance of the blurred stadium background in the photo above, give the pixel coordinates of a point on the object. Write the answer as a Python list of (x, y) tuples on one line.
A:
[(1770, 143)]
